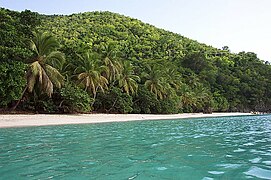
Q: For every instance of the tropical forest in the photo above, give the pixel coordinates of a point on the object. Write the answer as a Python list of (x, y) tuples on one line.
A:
[(104, 62)]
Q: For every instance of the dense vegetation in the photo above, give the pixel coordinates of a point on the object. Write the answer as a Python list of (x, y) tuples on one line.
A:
[(106, 62)]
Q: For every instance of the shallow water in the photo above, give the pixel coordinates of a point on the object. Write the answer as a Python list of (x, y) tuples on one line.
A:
[(213, 148)]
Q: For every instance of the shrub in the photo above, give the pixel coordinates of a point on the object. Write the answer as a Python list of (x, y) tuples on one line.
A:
[(145, 102), (220, 102), (169, 106), (12, 81), (114, 101), (73, 99)]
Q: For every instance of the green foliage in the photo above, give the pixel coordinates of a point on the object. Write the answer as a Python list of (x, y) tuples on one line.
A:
[(74, 99), (128, 81), (145, 102), (39, 104), (41, 73), (163, 71), (88, 70), (12, 81), (155, 82), (117, 37), (220, 103), (45, 106), (15, 31), (14, 53), (113, 101), (169, 106)]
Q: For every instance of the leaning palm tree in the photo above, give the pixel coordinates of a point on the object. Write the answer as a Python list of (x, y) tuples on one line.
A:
[(43, 72), (88, 73), (128, 80)]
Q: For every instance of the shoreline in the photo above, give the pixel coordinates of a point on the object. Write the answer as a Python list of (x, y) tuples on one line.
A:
[(22, 120)]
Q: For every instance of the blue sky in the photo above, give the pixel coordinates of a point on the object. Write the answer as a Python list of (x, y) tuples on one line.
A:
[(243, 25)]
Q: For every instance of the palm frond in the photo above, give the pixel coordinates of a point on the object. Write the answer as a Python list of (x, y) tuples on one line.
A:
[(33, 74), (54, 75), (47, 85), (55, 59), (43, 43), (47, 44), (33, 47)]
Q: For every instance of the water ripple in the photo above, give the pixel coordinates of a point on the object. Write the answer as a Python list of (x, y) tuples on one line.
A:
[(215, 148), (259, 173)]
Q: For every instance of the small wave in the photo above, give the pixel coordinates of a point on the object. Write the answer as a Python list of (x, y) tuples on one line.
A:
[(216, 172), (259, 173)]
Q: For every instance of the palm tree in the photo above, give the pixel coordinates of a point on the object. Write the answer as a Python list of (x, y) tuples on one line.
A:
[(173, 77), (155, 82), (188, 98), (43, 72), (204, 98), (128, 80), (88, 73), (109, 58)]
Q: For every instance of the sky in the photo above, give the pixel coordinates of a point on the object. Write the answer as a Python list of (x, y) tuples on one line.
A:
[(242, 25)]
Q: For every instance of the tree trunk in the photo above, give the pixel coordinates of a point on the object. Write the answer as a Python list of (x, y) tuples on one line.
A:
[(94, 97), (18, 102)]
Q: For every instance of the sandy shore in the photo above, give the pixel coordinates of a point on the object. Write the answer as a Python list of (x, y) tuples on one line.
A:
[(45, 120)]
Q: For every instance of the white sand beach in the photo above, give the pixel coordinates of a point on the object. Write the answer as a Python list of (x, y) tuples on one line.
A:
[(21, 120)]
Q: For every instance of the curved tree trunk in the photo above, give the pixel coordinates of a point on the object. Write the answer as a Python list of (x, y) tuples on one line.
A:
[(18, 102)]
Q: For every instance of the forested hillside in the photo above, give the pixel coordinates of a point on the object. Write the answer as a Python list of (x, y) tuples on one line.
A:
[(106, 62)]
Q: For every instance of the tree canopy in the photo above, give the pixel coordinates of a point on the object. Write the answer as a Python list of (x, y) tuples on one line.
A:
[(125, 65)]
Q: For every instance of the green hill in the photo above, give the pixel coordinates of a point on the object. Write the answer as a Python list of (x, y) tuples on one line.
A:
[(176, 74)]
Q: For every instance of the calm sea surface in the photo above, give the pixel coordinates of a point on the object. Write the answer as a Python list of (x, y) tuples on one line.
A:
[(213, 148)]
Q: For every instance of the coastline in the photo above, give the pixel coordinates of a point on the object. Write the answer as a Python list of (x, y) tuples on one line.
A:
[(22, 120)]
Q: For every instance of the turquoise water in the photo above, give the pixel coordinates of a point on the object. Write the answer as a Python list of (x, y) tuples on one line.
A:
[(214, 148)]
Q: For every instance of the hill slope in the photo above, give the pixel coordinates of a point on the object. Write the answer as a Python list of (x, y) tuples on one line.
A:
[(176, 74), (242, 78)]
